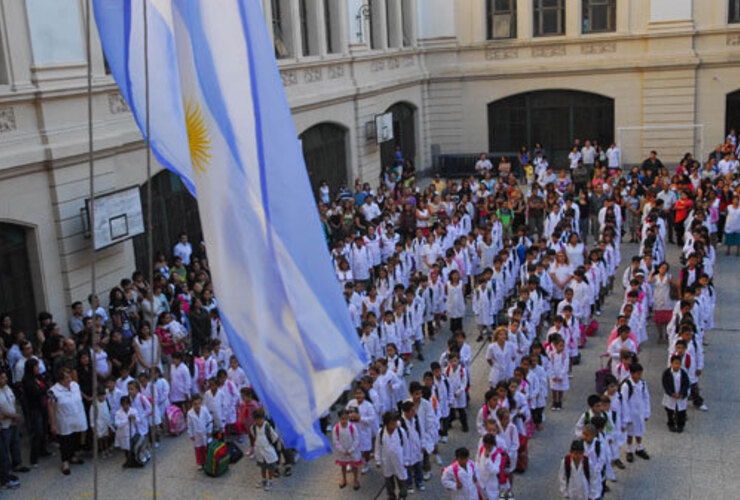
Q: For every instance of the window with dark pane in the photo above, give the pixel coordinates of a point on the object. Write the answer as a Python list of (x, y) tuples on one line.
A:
[(733, 14), (500, 19), (599, 16), (549, 17)]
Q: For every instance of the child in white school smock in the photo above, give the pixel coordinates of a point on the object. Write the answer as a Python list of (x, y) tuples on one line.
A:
[(346, 440)]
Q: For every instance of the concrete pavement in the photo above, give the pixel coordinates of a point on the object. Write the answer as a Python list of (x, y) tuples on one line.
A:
[(698, 464)]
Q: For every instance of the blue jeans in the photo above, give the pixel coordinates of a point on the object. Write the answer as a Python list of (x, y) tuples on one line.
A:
[(10, 452), (415, 475)]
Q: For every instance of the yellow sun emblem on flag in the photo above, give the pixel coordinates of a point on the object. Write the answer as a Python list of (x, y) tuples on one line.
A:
[(198, 138)]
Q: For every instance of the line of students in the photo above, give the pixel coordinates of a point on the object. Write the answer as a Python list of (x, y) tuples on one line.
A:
[(683, 312)]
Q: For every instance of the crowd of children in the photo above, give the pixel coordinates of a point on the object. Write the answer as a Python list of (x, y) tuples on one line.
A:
[(414, 263)]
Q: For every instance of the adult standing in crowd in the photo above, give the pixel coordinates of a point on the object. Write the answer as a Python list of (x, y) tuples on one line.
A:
[(67, 418)]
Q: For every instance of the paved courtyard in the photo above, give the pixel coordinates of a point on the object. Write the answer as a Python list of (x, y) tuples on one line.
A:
[(699, 464)]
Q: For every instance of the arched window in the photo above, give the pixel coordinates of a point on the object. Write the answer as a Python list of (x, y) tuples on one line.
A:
[(404, 135), (175, 211), (16, 283), (554, 118), (325, 151)]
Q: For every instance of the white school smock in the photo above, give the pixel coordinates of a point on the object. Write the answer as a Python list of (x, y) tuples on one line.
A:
[(637, 407), (467, 476), (346, 444), (143, 407), (69, 412), (501, 359), (124, 429), (180, 383), (199, 426), (455, 300), (489, 468), (103, 424), (366, 426), (578, 487), (390, 454), (216, 405)]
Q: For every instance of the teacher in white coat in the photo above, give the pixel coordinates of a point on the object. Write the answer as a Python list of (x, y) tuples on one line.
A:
[(67, 418)]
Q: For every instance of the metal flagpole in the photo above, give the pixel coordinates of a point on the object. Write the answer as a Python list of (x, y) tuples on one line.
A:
[(150, 252), (90, 160)]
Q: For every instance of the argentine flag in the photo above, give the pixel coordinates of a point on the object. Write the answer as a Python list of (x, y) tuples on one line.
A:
[(220, 119)]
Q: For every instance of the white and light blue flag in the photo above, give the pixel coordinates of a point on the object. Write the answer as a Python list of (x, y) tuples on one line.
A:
[(220, 119)]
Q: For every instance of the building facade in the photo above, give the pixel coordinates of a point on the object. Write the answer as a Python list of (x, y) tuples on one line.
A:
[(460, 76)]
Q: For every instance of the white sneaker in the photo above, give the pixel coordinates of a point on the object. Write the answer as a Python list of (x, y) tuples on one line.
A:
[(444, 439), (411, 491), (427, 476), (422, 488), (268, 486), (704, 407), (365, 469), (439, 460)]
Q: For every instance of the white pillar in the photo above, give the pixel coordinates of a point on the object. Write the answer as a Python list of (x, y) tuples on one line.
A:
[(380, 26), (294, 22), (317, 25), (410, 26), (524, 19), (573, 18), (394, 16)]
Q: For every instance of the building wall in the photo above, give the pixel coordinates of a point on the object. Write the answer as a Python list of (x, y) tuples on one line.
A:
[(667, 62)]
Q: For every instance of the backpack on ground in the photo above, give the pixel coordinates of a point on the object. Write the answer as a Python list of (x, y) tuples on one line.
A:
[(217, 458), (175, 420), (235, 453), (138, 453)]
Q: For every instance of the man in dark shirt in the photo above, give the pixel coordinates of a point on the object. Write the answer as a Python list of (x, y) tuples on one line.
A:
[(536, 204), (651, 168), (200, 324), (119, 352)]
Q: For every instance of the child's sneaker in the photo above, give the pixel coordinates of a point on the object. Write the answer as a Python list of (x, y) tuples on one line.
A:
[(422, 488), (365, 469), (250, 452), (261, 484), (427, 476), (439, 460), (268, 486)]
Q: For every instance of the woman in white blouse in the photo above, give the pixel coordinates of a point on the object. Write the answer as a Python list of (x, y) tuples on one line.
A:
[(67, 418)]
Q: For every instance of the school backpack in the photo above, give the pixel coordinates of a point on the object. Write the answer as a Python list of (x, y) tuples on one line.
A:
[(175, 420), (235, 453), (217, 458), (200, 364), (592, 328), (586, 470)]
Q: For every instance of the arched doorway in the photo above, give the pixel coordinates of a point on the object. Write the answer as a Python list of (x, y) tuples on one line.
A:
[(325, 153), (732, 111), (16, 282), (174, 211), (554, 118), (404, 135)]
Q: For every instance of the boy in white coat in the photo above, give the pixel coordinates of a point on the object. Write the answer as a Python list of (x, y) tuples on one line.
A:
[(126, 420), (577, 481), (390, 455), (636, 401), (458, 382), (460, 478), (200, 429), (414, 451)]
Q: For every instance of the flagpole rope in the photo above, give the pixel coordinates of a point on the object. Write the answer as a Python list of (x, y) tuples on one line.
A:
[(150, 253), (90, 159)]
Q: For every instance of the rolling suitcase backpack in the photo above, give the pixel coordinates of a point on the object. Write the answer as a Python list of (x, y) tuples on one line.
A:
[(217, 458), (601, 374)]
